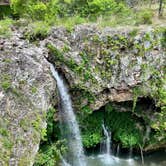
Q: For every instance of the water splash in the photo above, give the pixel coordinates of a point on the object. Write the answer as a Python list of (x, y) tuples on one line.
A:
[(69, 126)]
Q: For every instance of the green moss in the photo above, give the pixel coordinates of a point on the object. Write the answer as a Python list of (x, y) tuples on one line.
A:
[(5, 82), (24, 124), (133, 33), (86, 109), (37, 126), (91, 139), (7, 143), (4, 132), (6, 85), (33, 89)]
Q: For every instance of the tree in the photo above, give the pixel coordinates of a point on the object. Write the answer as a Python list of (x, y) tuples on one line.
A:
[(160, 7)]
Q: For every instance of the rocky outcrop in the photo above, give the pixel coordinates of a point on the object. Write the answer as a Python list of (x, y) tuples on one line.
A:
[(100, 66), (107, 64), (114, 65), (26, 89)]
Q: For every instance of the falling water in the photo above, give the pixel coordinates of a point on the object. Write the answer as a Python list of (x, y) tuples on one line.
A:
[(108, 140), (117, 151), (147, 134), (131, 152), (70, 129)]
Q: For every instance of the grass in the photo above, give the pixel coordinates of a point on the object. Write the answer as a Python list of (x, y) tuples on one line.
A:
[(5, 27), (143, 15)]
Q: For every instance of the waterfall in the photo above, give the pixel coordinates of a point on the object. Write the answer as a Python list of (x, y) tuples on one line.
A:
[(108, 140), (131, 152), (142, 155), (117, 151), (69, 126)]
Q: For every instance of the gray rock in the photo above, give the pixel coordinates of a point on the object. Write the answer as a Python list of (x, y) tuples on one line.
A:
[(26, 89)]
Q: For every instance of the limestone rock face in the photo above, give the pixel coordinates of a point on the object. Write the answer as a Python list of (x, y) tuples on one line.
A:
[(107, 64), (26, 89), (114, 65)]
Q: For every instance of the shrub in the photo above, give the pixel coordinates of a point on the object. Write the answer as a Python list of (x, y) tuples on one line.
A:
[(124, 127), (38, 11), (37, 30), (49, 154), (20, 6), (91, 128), (102, 6), (5, 27), (145, 17), (5, 11)]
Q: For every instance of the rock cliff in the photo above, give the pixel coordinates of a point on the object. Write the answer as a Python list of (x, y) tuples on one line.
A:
[(26, 90), (100, 66)]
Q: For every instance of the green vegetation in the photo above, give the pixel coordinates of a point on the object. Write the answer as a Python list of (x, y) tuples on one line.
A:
[(5, 82), (37, 31), (50, 147), (5, 11), (123, 125), (41, 15), (6, 142), (91, 127), (5, 27)]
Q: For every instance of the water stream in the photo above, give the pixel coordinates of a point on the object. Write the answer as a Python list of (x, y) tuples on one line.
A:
[(118, 151), (69, 126), (108, 140)]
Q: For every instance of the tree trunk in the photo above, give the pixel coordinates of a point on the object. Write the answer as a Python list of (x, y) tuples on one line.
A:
[(160, 7)]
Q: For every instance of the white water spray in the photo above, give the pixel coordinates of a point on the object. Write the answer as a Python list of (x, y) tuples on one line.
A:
[(70, 129)]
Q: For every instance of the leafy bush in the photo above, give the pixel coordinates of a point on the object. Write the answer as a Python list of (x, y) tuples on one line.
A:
[(102, 6), (50, 148), (20, 7), (50, 154), (91, 127), (5, 27), (144, 17), (86, 8), (37, 30), (90, 140), (5, 11), (124, 127), (38, 11)]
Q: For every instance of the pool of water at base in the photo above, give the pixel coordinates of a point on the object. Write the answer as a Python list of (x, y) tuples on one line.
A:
[(154, 159)]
